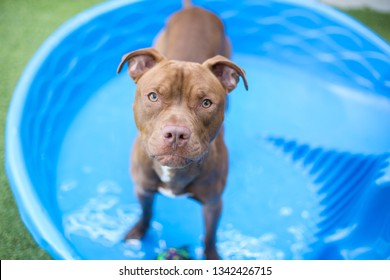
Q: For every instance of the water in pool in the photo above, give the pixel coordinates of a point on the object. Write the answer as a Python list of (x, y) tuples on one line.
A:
[(271, 204)]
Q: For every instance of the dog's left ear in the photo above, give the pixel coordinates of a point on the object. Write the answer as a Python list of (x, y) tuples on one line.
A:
[(226, 71)]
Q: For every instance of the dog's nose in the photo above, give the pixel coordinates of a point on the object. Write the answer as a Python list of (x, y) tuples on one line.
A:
[(176, 136)]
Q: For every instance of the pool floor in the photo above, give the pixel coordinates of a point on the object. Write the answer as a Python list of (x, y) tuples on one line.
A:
[(273, 206)]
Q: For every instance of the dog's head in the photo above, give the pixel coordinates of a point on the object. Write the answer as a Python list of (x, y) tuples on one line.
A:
[(179, 106)]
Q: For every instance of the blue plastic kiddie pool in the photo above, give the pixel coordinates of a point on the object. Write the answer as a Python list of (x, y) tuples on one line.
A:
[(308, 144)]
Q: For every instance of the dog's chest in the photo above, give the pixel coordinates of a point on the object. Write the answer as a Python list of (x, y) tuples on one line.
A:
[(172, 185), (167, 174)]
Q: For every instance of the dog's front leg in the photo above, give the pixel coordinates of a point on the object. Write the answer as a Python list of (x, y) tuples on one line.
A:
[(211, 212), (146, 200)]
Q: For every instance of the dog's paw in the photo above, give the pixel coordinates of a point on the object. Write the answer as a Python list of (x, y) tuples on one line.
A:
[(137, 232), (212, 254)]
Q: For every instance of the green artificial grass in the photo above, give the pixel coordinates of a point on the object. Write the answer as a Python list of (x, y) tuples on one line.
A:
[(24, 25), (376, 21)]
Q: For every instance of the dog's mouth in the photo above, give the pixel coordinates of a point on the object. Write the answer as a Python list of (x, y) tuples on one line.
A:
[(176, 157), (173, 160)]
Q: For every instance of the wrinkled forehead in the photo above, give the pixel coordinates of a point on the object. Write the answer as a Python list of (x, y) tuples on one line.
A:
[(179, 75)]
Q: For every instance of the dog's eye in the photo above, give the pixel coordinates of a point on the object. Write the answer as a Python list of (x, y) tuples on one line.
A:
[(206, 103), (153, 96)]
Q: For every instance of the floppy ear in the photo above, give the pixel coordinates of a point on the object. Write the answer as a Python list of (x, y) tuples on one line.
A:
[(140, 61), (226, 71)]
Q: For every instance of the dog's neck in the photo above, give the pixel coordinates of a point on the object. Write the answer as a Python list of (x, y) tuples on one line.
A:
[(177, 179)]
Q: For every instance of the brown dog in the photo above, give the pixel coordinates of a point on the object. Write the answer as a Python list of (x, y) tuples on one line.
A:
[(179, 107)]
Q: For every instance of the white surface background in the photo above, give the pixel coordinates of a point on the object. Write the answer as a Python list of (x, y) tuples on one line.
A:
[(379, 5)]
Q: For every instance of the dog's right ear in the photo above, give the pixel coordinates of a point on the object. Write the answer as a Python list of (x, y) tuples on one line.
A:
[(140, 61)]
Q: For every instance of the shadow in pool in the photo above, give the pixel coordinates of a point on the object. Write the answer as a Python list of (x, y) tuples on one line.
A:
[(353, 190)]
